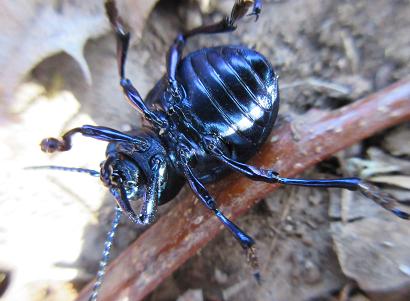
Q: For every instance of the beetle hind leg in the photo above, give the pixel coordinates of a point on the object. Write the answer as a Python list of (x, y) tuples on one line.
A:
[(227, 24), (381, 198)]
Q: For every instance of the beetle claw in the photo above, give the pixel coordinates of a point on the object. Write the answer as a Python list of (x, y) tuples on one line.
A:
[(253, 262), (256, 12)]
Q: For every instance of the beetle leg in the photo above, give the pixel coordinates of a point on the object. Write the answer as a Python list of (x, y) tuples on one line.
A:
[(123, 39), (51, 145), (227, 24), (122, 35), (257, 7), (241, 7), (384, 199), (202, 193)]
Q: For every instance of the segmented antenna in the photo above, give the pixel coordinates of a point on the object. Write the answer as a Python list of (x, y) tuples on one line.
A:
[(91, 172), (105, 255)]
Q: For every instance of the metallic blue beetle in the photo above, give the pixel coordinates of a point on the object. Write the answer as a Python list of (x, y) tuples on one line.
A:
[(210, 113)]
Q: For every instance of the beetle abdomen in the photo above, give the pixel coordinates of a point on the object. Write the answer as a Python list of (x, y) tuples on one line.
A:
[(232, 92)]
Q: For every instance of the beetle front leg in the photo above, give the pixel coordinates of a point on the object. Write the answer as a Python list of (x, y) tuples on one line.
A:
[(51, 145)]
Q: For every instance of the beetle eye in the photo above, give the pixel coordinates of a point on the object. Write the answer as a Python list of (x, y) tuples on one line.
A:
[(125, 173), (115, 178)]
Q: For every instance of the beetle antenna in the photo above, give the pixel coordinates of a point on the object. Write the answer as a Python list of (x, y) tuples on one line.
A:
[(91, 172), (106, 254)]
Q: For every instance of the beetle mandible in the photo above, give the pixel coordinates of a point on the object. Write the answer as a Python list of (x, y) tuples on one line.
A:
[(210, 113)]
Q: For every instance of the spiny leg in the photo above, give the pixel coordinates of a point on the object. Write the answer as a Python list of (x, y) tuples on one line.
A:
[(51, 145), (227, 24), (203, 195), (123, 39), (385, 200), (148, 210)]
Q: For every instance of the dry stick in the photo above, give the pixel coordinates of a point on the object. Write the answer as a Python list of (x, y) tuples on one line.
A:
[(188, 226)]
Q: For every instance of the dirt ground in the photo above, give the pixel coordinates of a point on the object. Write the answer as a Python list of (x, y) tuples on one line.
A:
[(312, 244)]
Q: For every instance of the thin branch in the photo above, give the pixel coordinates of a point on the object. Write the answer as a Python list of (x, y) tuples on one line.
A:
[(188, 226)]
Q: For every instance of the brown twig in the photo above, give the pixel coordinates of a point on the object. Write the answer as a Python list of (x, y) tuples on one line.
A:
[(189, 226)]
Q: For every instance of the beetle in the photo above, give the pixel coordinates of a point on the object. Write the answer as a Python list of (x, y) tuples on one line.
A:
[(208, 115)]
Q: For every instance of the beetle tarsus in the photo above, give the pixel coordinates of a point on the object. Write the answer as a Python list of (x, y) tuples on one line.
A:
[(52, 145), (254, 263), (227, 24), (257, 8), (382, 198)]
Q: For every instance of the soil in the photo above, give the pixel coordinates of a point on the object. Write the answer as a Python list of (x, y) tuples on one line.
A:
[(327, 54)]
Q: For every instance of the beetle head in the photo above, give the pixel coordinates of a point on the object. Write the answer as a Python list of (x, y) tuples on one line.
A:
[(122, 173)]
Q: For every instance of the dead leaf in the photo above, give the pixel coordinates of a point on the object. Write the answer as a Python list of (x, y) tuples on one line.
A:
[(400, 181), (374, 251), (135, 13), (398, 141), (34, 30), (192, 295), (378, 163)]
